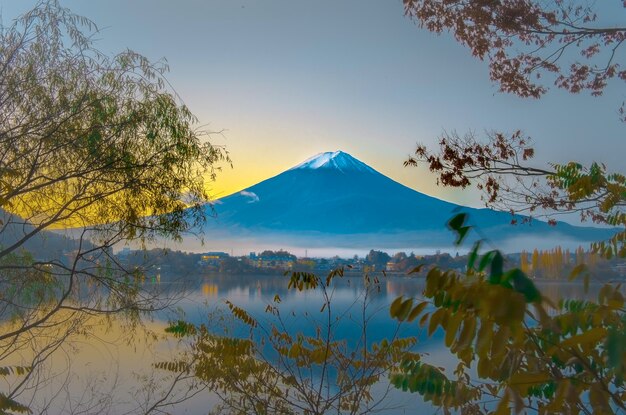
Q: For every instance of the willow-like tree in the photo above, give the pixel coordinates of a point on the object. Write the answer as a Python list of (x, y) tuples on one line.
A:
[(93, 142)]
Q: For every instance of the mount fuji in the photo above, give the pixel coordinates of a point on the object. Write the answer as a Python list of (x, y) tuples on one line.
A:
[(335, 200)]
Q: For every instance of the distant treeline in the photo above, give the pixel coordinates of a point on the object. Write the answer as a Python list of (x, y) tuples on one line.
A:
[(552, 264)]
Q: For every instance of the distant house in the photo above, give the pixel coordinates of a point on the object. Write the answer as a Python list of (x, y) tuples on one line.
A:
[(214, 255), (212, 259), (278, 262), (306, 263), (273, 260)]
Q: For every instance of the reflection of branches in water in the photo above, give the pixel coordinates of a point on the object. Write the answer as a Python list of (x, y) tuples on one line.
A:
[(87, 370), (159, 394), (48, 380), (48, 307)]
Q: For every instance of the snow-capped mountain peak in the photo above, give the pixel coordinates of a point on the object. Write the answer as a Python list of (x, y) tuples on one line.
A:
[(334, 160)]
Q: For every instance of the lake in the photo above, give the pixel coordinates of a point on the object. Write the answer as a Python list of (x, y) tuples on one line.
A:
[(112, 372)]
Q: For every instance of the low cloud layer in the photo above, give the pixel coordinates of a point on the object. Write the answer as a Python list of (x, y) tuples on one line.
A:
[(253, 197)]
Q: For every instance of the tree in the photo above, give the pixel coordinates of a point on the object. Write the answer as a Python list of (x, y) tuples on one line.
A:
[(96, 143), (499, 168), (377, 258), (276, 371), (524, 40), (399, 256), (523, 259), (278, 254), (568, 360)]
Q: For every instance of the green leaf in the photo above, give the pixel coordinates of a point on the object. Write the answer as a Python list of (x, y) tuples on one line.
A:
[(497, 265), (615, 346), (181, 329), (457, 221), (473, 255), (416, 311), (524, 285), (456, 225), (486, 260), (461, 234)]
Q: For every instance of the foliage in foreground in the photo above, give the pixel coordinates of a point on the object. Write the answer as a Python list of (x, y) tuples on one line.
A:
[(500, 169), (516, 349), (527, 45), (275, 371), (530, 44)]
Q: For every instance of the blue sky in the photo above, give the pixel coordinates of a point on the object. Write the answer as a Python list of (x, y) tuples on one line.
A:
[(288, 79)]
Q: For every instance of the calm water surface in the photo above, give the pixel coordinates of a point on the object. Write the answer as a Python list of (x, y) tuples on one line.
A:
[(113, 372)]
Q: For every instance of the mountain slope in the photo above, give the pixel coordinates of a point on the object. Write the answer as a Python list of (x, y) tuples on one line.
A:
[(334, 194), (43, 245)]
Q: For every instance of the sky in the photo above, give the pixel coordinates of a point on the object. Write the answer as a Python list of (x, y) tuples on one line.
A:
[(283, 80)]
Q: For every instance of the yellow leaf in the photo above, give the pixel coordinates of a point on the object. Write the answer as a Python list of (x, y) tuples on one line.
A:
[(500, 339), (294, 351), (416, 311), (529, 379), (467, 333), (483, 368), (451, 328), (404, 310), (485, 335), (577, 270), (589, 337), (435, 319), (517, 401), (395, 307)]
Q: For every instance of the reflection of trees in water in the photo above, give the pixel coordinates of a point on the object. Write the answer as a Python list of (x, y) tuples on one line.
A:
[(574, 290), (219, 285), (269, 285)]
